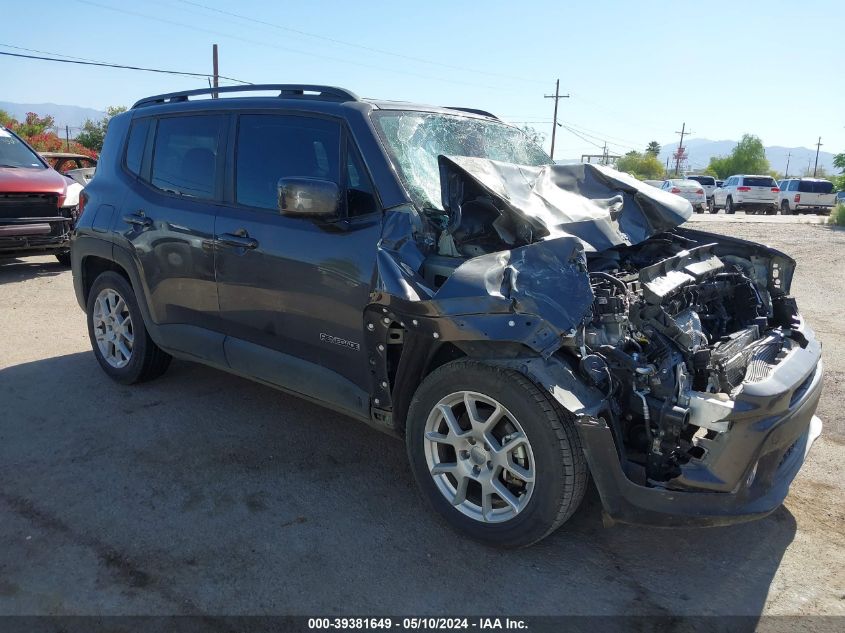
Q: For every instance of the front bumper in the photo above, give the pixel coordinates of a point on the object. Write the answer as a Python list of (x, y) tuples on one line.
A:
[(33, 236), (750, 474)]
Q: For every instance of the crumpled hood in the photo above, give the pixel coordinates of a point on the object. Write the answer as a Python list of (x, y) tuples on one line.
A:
[(598, 205)]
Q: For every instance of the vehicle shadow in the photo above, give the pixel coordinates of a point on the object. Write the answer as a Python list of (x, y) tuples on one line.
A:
[(15, 269), (203, 492)]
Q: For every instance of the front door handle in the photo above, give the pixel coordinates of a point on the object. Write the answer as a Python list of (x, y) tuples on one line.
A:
[(239, 239), (138, 219)]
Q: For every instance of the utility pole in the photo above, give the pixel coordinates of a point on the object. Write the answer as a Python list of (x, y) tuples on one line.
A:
[(680, 152), (67, 138), (816, 167), (786, 173), (557, 97), (216, 70)]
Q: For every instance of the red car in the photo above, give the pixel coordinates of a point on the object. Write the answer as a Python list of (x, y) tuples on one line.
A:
[(37, 212)]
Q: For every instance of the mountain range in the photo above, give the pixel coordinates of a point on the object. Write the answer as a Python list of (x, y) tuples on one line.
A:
[(70, 115), (701, 149)]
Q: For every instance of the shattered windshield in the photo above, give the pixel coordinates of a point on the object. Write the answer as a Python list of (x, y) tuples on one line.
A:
[(414, 140)]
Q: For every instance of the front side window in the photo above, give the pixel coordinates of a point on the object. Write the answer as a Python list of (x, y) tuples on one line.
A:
[(360, 193), (415, 140), (270, 147), (185, 155)]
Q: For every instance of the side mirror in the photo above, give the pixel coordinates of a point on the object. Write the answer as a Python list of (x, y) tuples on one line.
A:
[(308, 197)]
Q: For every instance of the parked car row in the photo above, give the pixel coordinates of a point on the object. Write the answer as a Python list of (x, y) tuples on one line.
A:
[(754, 193), (39, 198)]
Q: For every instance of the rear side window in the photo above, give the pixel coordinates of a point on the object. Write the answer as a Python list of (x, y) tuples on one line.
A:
[(135, 145), (758, 181), (185, 155), (704, 180), (815, 186), (271, 147)]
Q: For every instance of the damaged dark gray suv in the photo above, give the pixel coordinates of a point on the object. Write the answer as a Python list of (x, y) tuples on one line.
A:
[(428, 271)]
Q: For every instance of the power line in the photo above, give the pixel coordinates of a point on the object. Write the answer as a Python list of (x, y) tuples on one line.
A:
[(371, 49), (284, 48), (571, 131), (110, 65)]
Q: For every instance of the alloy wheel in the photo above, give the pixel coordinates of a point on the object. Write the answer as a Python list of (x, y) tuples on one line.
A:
[(113, 329), (479, 457)]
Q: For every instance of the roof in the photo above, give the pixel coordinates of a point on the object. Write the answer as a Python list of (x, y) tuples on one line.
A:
[(65, 155), (327, 98)]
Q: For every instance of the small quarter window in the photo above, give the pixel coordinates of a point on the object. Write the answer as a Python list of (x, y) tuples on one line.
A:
[(135, 146)]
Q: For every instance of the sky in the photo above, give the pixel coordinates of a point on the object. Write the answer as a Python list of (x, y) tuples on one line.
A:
[(635, 71)]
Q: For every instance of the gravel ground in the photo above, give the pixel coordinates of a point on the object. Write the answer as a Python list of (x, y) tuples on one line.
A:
[(202, 493)]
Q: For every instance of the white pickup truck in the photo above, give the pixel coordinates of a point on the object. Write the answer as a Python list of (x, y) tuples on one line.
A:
[(806, 195)]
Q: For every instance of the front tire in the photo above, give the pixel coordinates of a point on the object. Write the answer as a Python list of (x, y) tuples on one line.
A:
[(494, 454), (120, 340), (64, 258)]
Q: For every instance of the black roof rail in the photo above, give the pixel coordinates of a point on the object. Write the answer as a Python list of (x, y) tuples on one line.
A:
[(474, 111), (294, 91)]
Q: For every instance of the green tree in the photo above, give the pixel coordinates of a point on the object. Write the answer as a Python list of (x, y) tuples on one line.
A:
[(653, 149), (33, 125), (748, 157), (93, 133), (643, 166), (6, 119), (535, 136), (839, 163)]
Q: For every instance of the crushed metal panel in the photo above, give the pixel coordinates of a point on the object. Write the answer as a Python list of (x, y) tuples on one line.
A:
[(597, 205)]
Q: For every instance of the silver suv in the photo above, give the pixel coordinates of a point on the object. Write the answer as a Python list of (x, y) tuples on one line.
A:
[(750, 193)]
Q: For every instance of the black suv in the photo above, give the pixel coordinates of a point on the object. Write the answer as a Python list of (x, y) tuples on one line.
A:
[(432, 273)]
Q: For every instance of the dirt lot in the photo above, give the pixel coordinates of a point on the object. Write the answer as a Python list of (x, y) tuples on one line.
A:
[(205, 493)]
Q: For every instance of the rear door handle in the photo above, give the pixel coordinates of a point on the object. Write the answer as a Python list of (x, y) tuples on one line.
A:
[(138, 219), (238, 241)]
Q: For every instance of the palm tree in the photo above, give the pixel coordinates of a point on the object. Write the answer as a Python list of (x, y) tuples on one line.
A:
[(653, 148)]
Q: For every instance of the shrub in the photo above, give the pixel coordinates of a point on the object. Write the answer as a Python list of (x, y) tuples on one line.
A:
[(837, 216)]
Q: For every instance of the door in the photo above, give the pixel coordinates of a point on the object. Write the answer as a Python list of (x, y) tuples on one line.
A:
[(168, 218), (292, 290)]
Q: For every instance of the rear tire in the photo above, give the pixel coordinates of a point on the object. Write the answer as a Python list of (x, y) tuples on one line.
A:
[(120, 340), (711, 206), (729, 207), (784, 208), (469, 458), (64, 258)]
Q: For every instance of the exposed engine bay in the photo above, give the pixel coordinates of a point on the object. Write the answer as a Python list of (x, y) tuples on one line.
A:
[(678, 323), (673, 339)]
